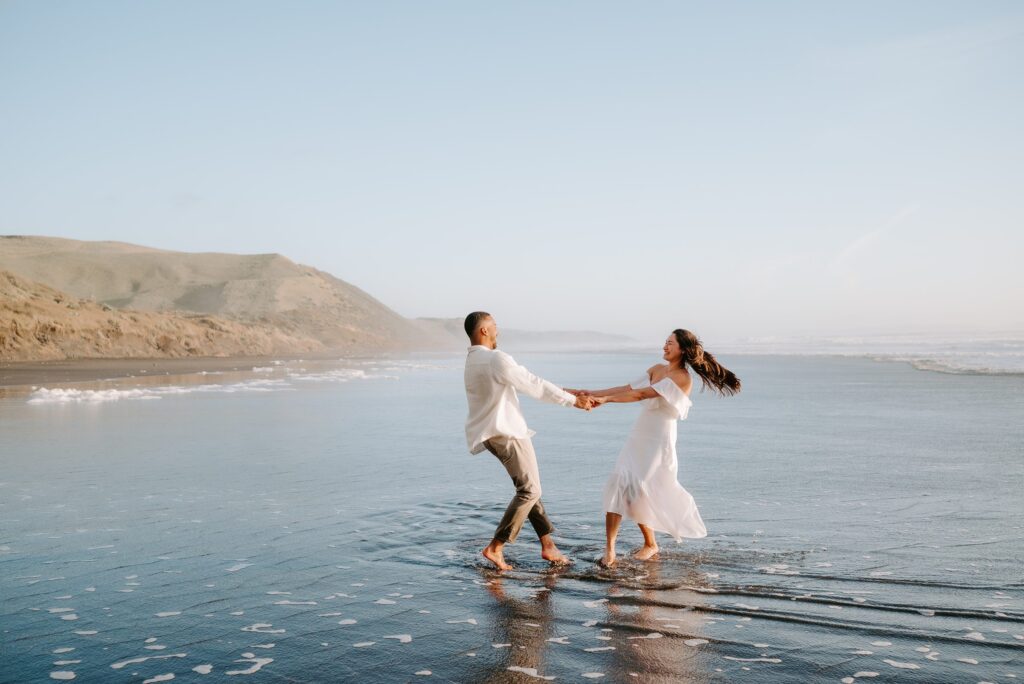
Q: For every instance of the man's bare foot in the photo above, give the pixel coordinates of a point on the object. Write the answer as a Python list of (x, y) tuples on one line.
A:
[(550, 552), (646, 553), (555, 557), (496, 557), (607, 560)]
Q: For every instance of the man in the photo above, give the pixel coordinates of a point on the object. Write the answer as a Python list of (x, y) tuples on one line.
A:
[(495, 423)]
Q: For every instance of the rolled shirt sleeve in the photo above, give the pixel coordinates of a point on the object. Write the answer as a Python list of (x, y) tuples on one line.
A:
[(508, 372)]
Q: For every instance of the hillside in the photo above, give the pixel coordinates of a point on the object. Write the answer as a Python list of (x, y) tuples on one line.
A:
[(261, 292), (40, 323)]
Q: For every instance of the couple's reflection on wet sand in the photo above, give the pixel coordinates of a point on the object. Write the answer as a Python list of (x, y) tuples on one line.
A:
[(649, 625), (637, 633), (521, 629)]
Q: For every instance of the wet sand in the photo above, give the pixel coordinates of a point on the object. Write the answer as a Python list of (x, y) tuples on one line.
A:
[(311, 522)]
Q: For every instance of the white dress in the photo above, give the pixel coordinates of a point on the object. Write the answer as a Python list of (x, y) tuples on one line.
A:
[(643, 486)]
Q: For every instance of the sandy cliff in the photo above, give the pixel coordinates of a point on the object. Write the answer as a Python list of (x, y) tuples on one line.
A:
[(267, 302), (38, 322)]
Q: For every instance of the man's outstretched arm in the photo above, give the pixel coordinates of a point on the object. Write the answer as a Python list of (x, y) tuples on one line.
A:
[(508, 372)]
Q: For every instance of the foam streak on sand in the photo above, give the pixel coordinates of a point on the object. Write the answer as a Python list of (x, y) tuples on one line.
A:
[(529, 672), (159, 678), (263, 628), (131, 661), (256, 664)]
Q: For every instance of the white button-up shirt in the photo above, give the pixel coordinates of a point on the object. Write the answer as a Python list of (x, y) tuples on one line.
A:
[(492, 378)]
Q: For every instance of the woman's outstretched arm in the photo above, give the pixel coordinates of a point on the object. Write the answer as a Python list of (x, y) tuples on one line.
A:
[(628, 394), (598, 393)]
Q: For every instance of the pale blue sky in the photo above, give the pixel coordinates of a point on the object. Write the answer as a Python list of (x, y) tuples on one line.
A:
[(738, 168)]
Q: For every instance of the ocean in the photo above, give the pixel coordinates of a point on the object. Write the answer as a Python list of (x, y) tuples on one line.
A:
[(322, 522)]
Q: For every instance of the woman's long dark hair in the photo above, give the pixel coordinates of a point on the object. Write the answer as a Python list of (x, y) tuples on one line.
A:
[(712, 373)]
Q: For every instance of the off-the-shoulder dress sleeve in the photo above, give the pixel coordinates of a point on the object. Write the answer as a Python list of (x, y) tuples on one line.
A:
[(673, 396)]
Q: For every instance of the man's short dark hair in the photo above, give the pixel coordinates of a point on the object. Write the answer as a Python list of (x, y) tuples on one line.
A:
[(473, 321)]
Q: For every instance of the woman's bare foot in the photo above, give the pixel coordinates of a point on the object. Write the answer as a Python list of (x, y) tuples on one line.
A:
[(646, 552), (496, 556), (607, 560)]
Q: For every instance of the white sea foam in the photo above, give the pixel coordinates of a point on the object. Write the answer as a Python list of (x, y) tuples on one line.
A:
[(60, 395), (340, 375), (44, 395), (159, 678)]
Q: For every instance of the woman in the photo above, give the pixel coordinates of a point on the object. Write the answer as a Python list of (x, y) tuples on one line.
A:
[(643, 485)]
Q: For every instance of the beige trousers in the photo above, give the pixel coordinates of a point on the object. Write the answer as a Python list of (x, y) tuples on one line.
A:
[(519, 459)]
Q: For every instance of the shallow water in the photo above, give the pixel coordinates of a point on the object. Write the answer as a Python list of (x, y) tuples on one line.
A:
[(322, 522)]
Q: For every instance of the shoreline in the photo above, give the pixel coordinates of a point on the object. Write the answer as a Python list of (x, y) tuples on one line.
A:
[(15, 374)]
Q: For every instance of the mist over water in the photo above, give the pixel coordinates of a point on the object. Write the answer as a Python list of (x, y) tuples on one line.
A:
[(323, 521), (983, 354)]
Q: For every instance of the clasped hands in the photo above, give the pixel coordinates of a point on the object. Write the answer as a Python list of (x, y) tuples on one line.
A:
[(585, 400)]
